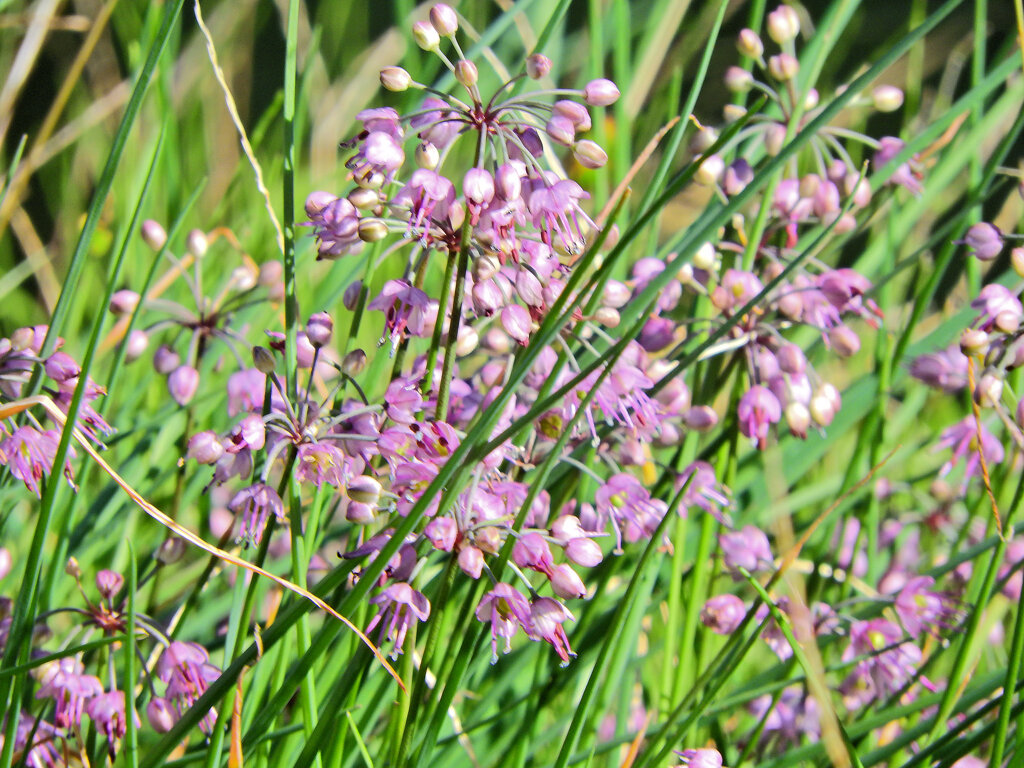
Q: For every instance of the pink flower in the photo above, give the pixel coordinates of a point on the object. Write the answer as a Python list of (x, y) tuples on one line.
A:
[(758, 409), (962, 437), (555, 210), (428, 197), (405, 308), (107, 711), (904, 176), (628, 505), (546, 619), (64, 682), (506, 610), (29, 454), (255, 504), (400, 605)]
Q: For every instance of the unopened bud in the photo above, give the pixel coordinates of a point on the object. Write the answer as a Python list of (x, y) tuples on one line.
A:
[(467, 342), (974, 341), (171, 551), (589, 154), (583, 551), (244, 277), (887, 98), (722, 614), (566, 583), (319, 329), (798, 418), (263, 360), (109, 583), (205, 447), (749, 44), (985, 240), (811, 99), (395, 79), (165, 360), (444, 20), (705, 257), (161, 714), (271, 273), (497, 341), (821, 410), (703, 140), (1017, 260), (700, 418), (783, 67), (350, 298), (153, 234), (738, 80), (354, 362), (466, 73), (364, 489), (182, 383), (363, 199), (196, 243), (989, 391), (372, 230), (561, 130), (608, 317), (600, 93), (774, 138), (537, 66), (709, 171), (72, 568), (425, 35), (733, 112), (485, 266), (783, 25), (478, 186), (124, 302), (135, 345), (471, 561)]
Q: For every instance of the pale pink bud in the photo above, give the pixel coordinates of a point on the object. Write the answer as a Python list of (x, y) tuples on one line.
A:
[(783, 24), (749, 44), (364, 489), (537, 66), (153, 234), (608, 317), (124, 302), (354, 362), (182, 383), (710, 171), (395, 79), (135, 345), (984, 240), (887, 98), (427, 155), (798, 417), (444, 20), (738, 80), (844, 340), (442, 532), (568, 527), (516, 322), (566, 583), (109, 583), (196, 243), (584, 552), (701, 418), (791, 359), (989, 391), (317, 201), (350, 298), (774, 138), (575, 112), (205, 447), (478, 186), (171, 550), (165, 360), (372, 230), (589, 154), (561, 130), (425, 35), (359, 513), (471, 561), (974, 341), (783, 67), (161, 714), (466, 73), (508, 183), (600, 93)]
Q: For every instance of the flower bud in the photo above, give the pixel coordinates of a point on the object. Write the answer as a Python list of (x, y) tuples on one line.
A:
[(205, 447), (575, 112), (516, 322), (109, 583), (774, 138), (363, 199), (165, 360), (395, 79), (701, 418), (471, 561), (811, 99), (72, 568), (466, 73), (497, 341), (22, 339), (844, 340), (359, 513), (135, 345), (442, 533), (600, 93), (709, 171), (589, 154), (1017, 260), (537, 66), (244, 277), (171, 550), (153, 234), (705, 257), (444, 20), (124, 302), (783, 67), (319, 329), (989, 391), (738, 80), (561, 130), (984, 240), (607, 317), (798, 417), (196, 243), (974, 341), (722, 614), (783, 25), (350, 298), (425, 35), (749, 44), (263, 360), (478, 186), (508, 182), (318, 200), (354, 362), (566, 583), (182, 383), (161, 714), (821, 410), (271, 273), (733, 112), (887, 98), (364, 489), (372, 230), (485, 266), (583, 551), (791, 359)]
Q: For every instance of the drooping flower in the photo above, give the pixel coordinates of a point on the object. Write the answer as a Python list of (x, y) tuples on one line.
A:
[(625, 503), (507, 610), (400, 606), (757, 410), (255, 504), (65, 682), (962, 437), (405, 308), (546, 619)]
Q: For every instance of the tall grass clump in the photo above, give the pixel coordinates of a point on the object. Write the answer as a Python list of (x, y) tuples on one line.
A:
[(619, 383)]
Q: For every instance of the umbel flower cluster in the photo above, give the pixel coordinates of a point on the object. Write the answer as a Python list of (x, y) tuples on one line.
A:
[(483, 238)]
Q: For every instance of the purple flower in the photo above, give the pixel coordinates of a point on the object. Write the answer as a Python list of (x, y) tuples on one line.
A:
[(380, 153), (962, 437), (506, 610), (945, 370), (722, 614), (400, 605), (246, 390), (886, 664), (903, 175), (320, 463), (700, 758), (255, 504), (1000, 308), (628, 505), (555, 210), (757, 410), (29, 454), (428, 197), (64, 682), (546, 619), (187, 670), (335, 223), (405, 308), (107, 712), (922, 609), (747, 548)]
